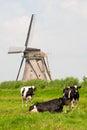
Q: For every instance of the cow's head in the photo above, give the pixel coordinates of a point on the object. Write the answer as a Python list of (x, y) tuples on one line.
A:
[(34, 88), (75, 88)]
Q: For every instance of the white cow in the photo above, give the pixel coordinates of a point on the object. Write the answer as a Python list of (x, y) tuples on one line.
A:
[(27, 93)]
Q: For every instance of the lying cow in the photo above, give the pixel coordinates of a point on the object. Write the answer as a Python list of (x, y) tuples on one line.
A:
[(53, 106), (27, 93), (72, 94)]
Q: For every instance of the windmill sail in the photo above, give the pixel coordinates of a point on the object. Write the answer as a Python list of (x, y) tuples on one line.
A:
[(15, 50), (29, 30), (26, 44)]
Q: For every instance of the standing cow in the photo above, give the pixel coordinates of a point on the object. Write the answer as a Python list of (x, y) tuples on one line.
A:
[(27, 93), (72, 95)]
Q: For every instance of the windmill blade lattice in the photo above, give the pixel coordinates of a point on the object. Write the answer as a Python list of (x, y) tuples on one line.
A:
[(20, 68), (29, 30)]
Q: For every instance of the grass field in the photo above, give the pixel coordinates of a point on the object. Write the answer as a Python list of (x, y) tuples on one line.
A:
[(15, 117)]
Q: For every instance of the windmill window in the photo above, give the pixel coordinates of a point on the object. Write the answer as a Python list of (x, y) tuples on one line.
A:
[(31, 70), (39, 75)]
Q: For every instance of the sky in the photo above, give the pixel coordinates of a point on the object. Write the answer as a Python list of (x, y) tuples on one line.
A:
[(59, 30)]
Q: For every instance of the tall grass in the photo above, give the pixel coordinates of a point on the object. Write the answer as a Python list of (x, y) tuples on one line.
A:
[(15, 117)]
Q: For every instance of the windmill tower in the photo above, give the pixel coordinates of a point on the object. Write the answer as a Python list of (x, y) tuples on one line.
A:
[(36, 62)]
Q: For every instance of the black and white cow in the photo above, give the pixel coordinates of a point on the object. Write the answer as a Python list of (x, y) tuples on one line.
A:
[(27, 93), (72, 95), (53, 106)]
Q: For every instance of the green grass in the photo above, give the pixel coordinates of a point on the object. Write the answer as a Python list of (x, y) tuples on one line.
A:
[(15, 117)]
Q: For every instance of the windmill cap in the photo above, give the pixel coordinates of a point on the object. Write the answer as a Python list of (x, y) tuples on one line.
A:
[(32, 49)]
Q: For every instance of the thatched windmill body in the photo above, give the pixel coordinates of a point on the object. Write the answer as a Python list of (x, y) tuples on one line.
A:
[(36, 62)]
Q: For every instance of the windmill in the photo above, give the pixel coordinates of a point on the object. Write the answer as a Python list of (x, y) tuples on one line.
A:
[(36, 62)]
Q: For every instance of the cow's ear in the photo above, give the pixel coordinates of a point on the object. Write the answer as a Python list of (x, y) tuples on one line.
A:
[(79, 87), (35, 88), (63, 90)]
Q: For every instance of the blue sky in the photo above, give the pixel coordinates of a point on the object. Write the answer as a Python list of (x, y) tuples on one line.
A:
[(60, 30)]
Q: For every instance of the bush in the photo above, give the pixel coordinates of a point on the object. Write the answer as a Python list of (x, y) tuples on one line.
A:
[(37, 83), (10, 84), (18, 84), (84, 82), (69, 81)]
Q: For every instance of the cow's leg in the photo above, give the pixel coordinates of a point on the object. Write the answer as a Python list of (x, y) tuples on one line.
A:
[(26, 102), (30, 98), (65, 108), (76, 103), (22, 102), (72, 104)]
